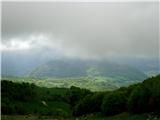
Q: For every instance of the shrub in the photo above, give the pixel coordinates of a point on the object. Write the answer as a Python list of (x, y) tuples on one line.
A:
[(90, 104), (146, 97), (138, 101), (114, 103), (75, 94)]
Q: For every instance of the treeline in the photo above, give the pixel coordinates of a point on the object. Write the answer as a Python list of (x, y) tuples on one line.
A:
[(138, 98), (24, 98)]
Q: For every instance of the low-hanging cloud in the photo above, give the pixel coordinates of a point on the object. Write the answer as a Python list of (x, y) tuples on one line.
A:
[(84, 30)]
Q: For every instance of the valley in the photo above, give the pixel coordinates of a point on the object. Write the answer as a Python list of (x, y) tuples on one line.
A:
[(96, 84)]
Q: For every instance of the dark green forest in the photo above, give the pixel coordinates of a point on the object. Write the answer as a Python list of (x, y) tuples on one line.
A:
[(74, 102)]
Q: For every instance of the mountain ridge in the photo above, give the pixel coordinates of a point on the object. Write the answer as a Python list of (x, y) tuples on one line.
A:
[(81, 68)]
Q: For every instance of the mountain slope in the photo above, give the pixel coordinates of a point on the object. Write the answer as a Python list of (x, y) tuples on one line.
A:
[(91, 69)]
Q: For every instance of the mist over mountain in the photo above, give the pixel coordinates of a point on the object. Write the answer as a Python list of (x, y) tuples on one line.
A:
[(80, 60), (90, 68), (22, 64), (121, 33)]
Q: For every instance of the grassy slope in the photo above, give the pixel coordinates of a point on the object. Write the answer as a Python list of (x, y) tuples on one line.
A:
[(29, 117), (123, 116)]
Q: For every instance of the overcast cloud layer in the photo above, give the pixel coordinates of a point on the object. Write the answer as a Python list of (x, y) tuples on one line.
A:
[(82, 30)]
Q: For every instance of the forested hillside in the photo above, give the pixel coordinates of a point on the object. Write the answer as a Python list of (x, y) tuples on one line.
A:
[(62, 103)]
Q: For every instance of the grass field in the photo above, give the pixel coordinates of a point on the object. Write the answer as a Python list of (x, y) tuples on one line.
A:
[(29, 117), (93, 84), (123, 116)]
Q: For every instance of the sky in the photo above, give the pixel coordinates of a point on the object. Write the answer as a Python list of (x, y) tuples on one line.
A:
[(86, 30)]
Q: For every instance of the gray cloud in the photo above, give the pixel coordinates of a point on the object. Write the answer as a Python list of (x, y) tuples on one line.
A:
[(86, 30)]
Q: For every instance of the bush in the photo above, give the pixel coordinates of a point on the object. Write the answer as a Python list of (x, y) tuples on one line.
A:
[(145, 97), (75, 94), (138, 100), (114, 103), (7, 108), (18, 91), (90, 104)]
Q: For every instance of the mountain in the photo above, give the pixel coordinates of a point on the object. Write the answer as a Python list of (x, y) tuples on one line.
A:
[(87, 68), (150, 66), (20, 63)]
